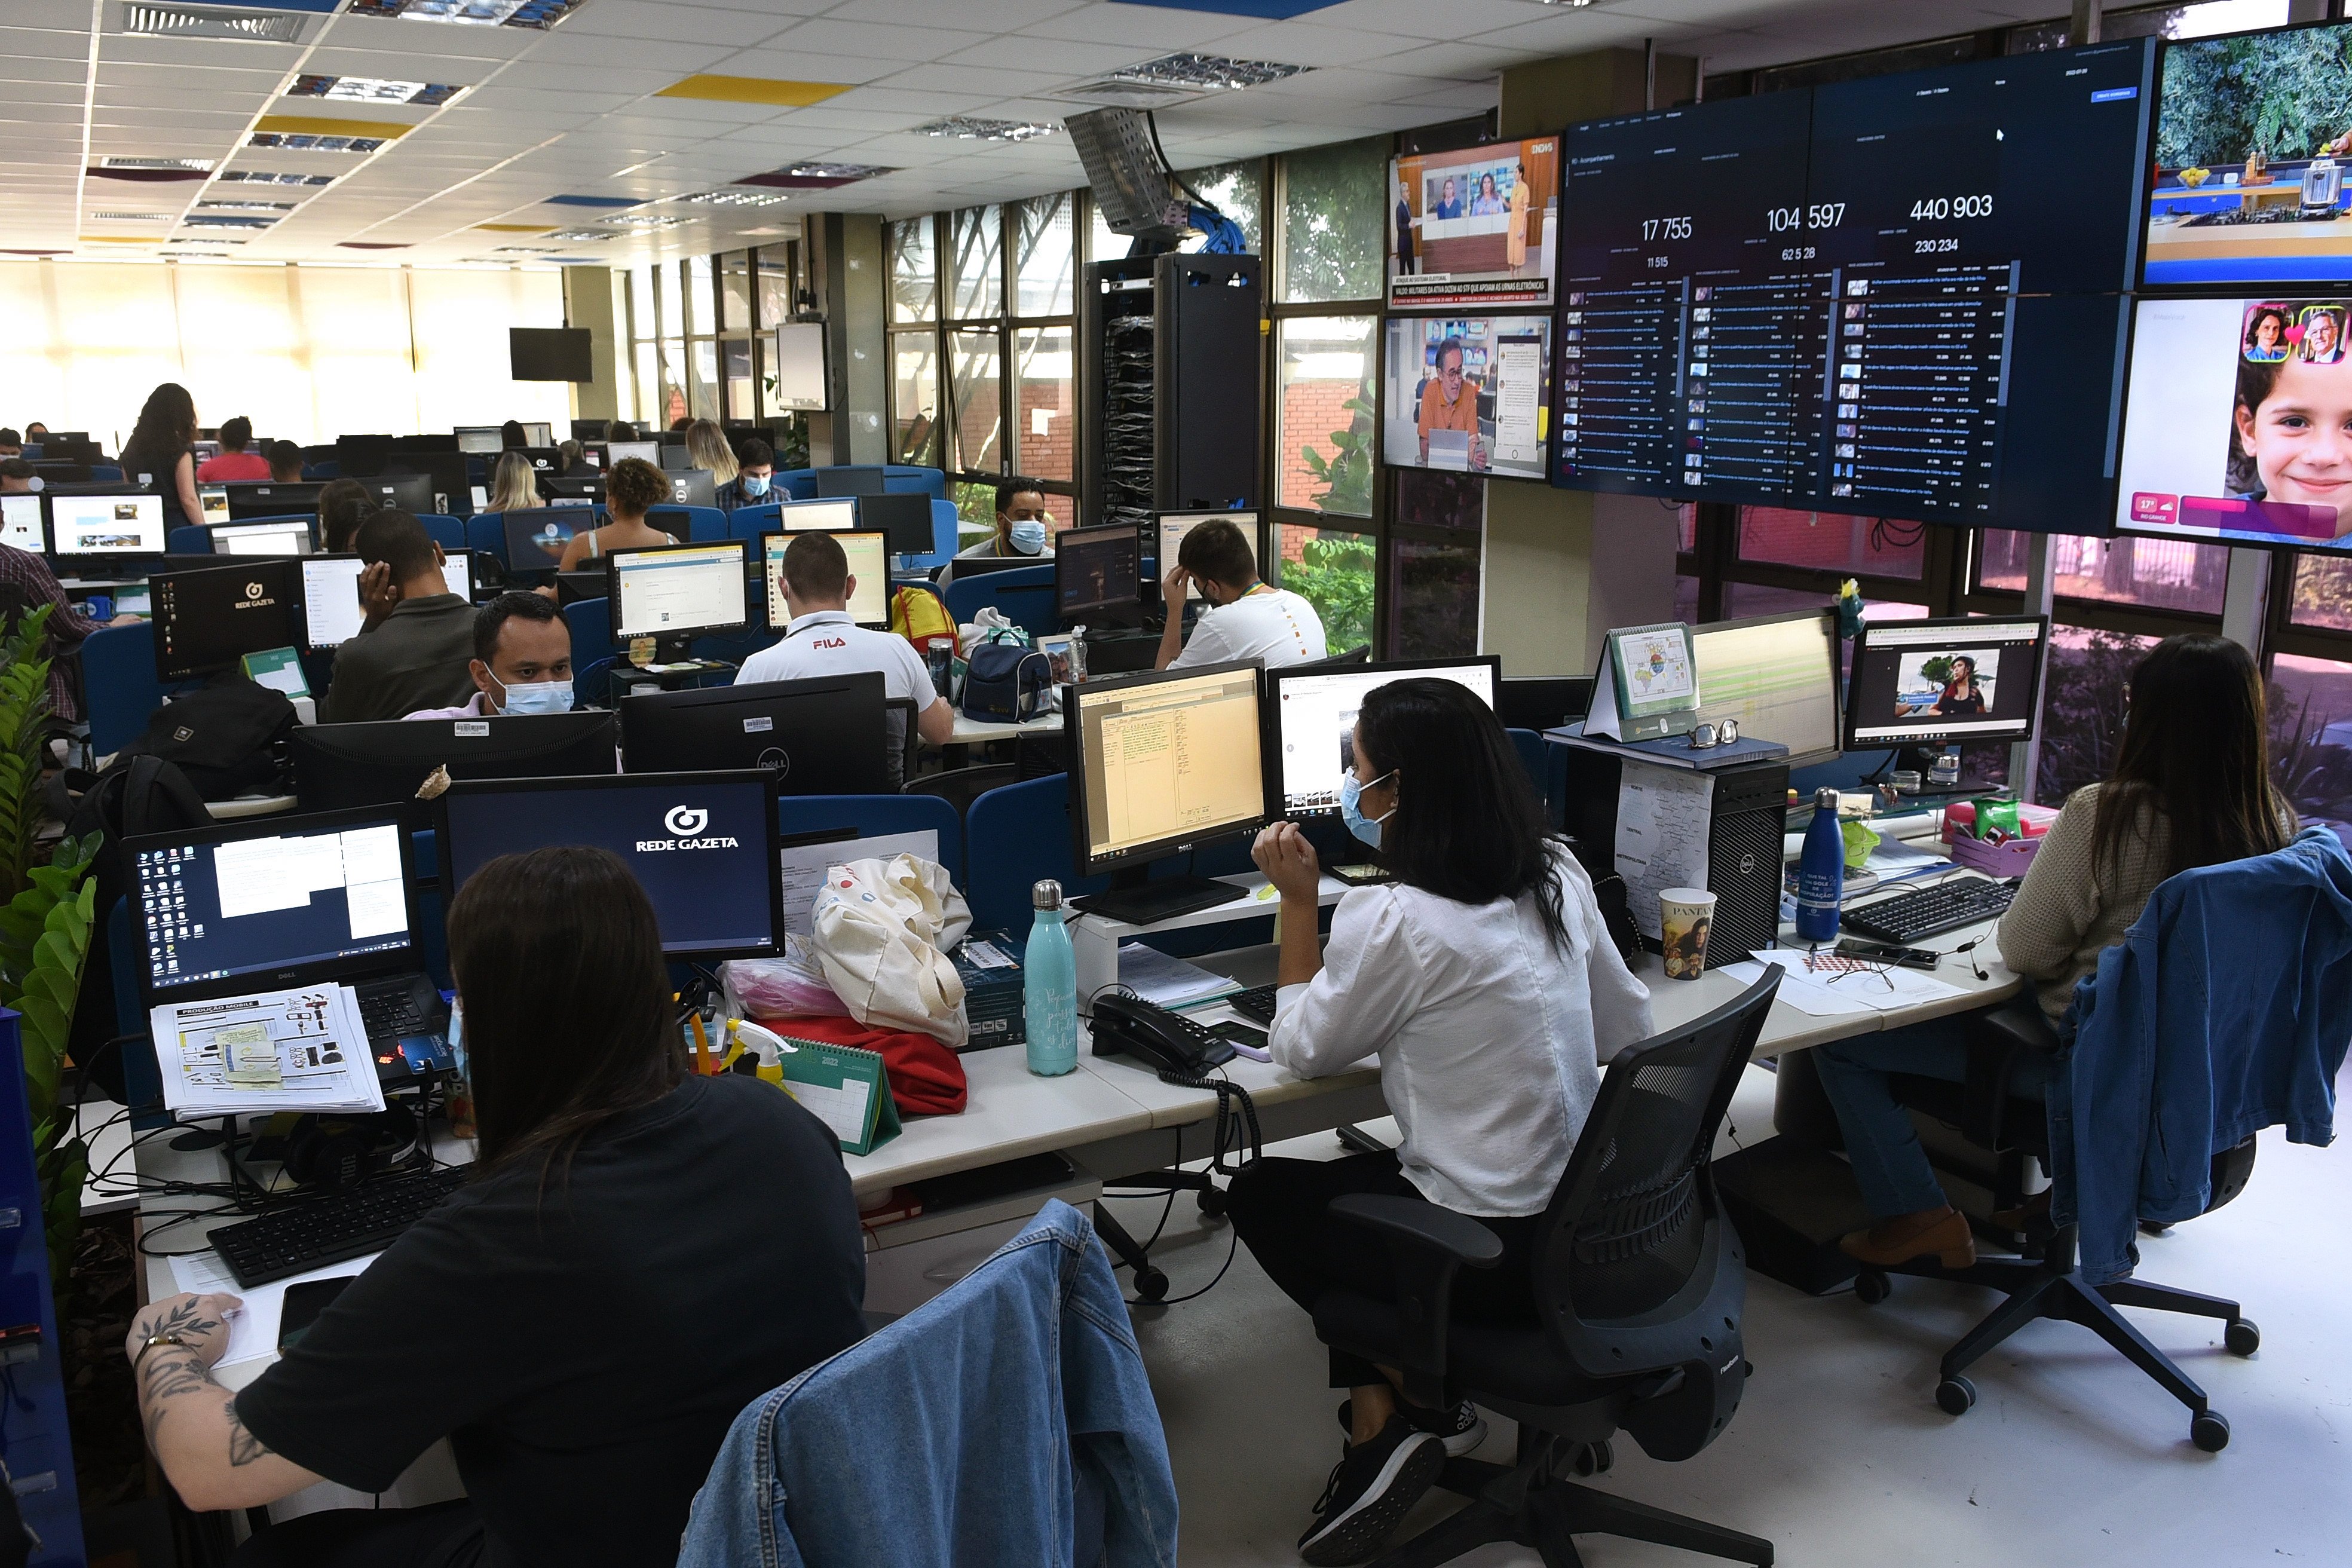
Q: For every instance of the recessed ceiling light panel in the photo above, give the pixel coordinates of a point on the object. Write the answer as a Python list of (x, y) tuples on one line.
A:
[(816, 175), (645, 220), (245, 206), (373, 90), (131, 217), (538, 14), (245, 23), (580, 236), (964, 128), (303, 142), (219, 220), (113, 161), (1206, 73), (273, 177), (733, 199)]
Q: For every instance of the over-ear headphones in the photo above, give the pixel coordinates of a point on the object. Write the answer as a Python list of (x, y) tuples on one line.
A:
[(336, 1154)]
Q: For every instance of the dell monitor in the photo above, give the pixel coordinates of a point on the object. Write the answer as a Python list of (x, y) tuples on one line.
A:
[(361, 457), (250, 500), (483, 439), (535, 538), (1314, 712), (1942, 682), (679, 590), (693, 487), (798, 517), (341, 765), (207, 620), (907, 519), (828, 735), (1777, 676), (704, 846), (1097, 569), (645, 451), (850, 481), (1159, 764), (869, 567), (588, 489), (1175, 525), (110, 524), (22, 524), (279, 536)]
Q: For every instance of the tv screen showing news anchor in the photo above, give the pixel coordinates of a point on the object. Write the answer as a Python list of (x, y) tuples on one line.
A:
[(1478, 225), (2238, 422), (1468, 393)]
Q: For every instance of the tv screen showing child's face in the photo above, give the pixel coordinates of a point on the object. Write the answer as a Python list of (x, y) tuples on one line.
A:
[(2238, 423)]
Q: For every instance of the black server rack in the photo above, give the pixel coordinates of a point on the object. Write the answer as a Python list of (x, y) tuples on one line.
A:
[(1172, 355)]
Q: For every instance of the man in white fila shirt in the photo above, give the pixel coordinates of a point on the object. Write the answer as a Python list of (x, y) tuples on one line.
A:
[(820, 639), (1245, 619)]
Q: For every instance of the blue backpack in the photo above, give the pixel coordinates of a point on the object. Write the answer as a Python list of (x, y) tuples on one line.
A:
[(1007, 681)]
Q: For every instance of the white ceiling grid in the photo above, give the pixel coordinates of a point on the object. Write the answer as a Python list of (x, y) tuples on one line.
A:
[(572, 111)]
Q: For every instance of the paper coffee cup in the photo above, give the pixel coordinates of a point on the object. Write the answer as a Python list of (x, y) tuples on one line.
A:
[(1684, 916)]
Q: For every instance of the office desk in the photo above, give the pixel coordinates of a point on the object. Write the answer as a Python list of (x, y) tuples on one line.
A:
[(972, 732)]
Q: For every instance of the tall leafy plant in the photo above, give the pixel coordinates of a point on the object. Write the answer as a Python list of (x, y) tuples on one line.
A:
[(45, 930)]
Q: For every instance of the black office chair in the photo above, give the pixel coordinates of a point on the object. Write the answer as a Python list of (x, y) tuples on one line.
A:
[(911, 739), (2051, 1286), (960, 786), (1639, 1283)]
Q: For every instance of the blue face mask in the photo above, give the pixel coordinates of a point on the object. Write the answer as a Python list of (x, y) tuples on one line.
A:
[(526, 698), (755, 484), (1029, 538), (1351, 795)]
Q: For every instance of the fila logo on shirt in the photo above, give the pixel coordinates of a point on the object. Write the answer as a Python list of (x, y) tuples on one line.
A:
[(830, 642), (686, 822)]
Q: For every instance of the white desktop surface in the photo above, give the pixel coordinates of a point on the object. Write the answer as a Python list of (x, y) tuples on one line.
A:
[(972, 732)]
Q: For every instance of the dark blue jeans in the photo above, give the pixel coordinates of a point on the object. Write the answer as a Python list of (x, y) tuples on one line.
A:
[(1889, 1165)]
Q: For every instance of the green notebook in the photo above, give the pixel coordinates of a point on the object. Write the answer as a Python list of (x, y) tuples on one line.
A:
[(847, 1089)]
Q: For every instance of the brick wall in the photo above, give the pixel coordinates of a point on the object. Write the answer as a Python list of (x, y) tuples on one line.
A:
[(1311, 410)]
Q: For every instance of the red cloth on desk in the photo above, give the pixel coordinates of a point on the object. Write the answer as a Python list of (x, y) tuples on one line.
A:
[(926, 1078)]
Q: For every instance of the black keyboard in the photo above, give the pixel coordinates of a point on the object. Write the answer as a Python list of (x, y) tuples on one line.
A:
[(1926, 911), (390, 1013), (328, 1229), (1258, 1006)]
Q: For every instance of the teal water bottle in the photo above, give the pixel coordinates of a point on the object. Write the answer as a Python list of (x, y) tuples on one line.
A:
[(1820, 872), (1049, 986)]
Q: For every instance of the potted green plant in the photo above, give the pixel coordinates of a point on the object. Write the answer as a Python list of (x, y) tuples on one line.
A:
[(45, 930)]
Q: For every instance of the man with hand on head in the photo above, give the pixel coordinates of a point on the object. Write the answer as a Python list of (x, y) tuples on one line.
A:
[(1022, 522), (522, 660), (1243, 619), (821, 640), (415, 648)]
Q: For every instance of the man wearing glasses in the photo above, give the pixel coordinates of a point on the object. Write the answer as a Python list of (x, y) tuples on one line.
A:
[(1449, 401)]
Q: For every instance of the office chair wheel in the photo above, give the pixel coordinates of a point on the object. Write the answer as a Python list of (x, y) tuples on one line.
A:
[(2241, 1337), (1213, 1201), (1871, 1287), (1957, 1395), (1150, 1284), (2210, 1430)]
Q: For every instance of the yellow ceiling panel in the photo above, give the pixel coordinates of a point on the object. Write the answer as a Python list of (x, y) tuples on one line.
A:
[(754, 89), (326, 125)]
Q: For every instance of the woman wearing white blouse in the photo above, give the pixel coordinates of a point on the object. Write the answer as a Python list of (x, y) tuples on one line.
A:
[(1486, 982)]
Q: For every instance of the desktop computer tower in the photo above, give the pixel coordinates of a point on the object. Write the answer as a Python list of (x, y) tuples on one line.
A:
[(1744, 861)]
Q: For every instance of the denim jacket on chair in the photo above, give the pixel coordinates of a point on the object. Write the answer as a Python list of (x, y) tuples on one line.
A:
[(967, 1432), (2225, 1009)]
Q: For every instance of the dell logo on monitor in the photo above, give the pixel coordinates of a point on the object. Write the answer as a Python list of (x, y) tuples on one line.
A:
[(685, 821)]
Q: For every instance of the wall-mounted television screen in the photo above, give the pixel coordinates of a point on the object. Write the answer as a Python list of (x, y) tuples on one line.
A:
[(1468, 393), (1475, 226)]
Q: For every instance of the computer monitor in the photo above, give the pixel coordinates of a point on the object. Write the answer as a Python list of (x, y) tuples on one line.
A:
[(447, 480), (1777, 676), (207, 620), (410, 493), (458, 571), (331, 600), (213, 502), (23, 523), (1097, 569), (112, 523), (538, 433), (280, 536), (272, 901), (339, 766), (1162, 763), (850, 481), (589, 488), (693, 487), (674, 458), (1542, 701), (1312, 733), (680, 590), (535, 538), (907, 519), (647, 451), (361, 457), (203, 451), (1941, 682), (542, 459), (132, 599), (829, 735), (800, 516), (593, 453), (869, 564), (482, 439), (703, 846), (261, 499), (59, 470), (1175, 525), (590, 429)]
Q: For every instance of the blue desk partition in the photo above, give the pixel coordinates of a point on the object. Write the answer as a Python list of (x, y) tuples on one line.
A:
[(38, 1447), (870, 815), (1025, 594), (119, 685)]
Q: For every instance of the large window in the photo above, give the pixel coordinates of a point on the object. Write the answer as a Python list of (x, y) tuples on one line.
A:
[(699, 333)]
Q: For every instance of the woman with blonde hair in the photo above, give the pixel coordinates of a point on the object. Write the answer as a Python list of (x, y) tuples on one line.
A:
[(707, 444), (514, 484)]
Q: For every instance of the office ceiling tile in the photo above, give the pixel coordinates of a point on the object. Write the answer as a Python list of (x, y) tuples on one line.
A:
[(1156, 30), (1052, 57), (669, 19)]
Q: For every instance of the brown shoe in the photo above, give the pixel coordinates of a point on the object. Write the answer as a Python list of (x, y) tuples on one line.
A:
[(1892, 1243), (2031, 1215)]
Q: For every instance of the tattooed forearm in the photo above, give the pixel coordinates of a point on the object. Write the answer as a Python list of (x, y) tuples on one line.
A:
[(166, 1374), (244, 1447)]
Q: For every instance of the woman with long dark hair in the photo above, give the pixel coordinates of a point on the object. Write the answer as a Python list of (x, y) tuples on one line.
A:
[(1484, 981), (640, 1253), (162, 448), (2191, 787)]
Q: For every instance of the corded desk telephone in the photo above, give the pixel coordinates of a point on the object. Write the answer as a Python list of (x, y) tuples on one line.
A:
[(1156, 1037)]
